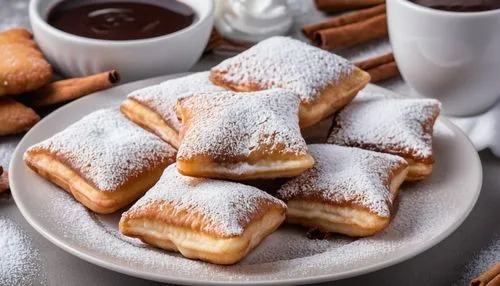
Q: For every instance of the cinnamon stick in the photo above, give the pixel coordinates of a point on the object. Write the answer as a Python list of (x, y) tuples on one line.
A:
[(494, 282), (230, 47), (383, 72), (380, 68), (375, 62), (69, 89), (214, 41), (335, 6), (352, 34), (310, 30), (489, 277), (4, 182)]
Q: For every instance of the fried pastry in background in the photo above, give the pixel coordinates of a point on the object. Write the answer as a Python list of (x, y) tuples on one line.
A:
[(104, 160), (241, 136), (4, 180), (398, 126), (154, 107), (323, 81), (22, 66), (349, 190), (4, 185), (15, 117), (210, 220)]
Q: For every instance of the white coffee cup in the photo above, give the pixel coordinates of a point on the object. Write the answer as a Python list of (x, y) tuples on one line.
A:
[(451, 56)]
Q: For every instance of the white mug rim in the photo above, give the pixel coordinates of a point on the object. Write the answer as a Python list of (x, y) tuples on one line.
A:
[(445, 13)]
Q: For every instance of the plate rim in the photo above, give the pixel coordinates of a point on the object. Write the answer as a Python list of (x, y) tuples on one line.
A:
[(400, 257)]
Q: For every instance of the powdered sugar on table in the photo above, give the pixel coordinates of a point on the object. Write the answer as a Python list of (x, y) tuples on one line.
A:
[(20, 261)]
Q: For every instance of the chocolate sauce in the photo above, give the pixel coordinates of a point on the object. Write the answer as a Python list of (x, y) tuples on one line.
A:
[(460, 5), (121, 20)]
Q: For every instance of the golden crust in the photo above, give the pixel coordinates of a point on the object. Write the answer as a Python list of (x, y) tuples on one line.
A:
[(260, 133), (418, 170), (150, 120), (55, 170), (348, 191), (195, 244), (203, 166), (211, 220), (351, 221), (15, 117), (342, 216), (104, 160), (22, 66), (167, 212), (330, 99)]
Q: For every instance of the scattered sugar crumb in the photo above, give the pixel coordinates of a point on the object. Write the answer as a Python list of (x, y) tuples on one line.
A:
[(20, 261)]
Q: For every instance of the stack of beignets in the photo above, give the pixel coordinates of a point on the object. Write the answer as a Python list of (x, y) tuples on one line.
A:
[(242, 121), (154, 107)]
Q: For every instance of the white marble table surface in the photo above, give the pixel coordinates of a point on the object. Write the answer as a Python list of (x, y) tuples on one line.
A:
[(473, 246)]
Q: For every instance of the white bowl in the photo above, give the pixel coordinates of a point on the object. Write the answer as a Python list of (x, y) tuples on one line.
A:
[(73, 55)]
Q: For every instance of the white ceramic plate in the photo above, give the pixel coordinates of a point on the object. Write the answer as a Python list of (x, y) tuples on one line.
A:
[(427, 212)]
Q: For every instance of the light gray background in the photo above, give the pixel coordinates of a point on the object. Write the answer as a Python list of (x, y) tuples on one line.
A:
[(457, 259)]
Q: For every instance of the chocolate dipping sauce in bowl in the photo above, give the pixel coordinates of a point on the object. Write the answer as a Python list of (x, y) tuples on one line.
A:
[(448, 50), (140, 38)]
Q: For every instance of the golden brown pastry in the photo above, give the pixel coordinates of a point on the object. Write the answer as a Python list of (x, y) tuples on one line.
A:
[(398, 126), (22, 66), (324, 81), (4, 180), (15, 117), (154, 107), (105, 161), (210, 220), (348, 191), (241, 136)]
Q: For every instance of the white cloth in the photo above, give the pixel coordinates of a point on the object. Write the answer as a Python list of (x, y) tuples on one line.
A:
[(483, 130)]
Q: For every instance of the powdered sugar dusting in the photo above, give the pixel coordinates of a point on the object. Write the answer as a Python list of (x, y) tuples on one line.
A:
[(227, 207), (345, 174), (162, 98), (20, 262), (108, 149), (286, 63), (386, 124), (423, 210), (235, 125)]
